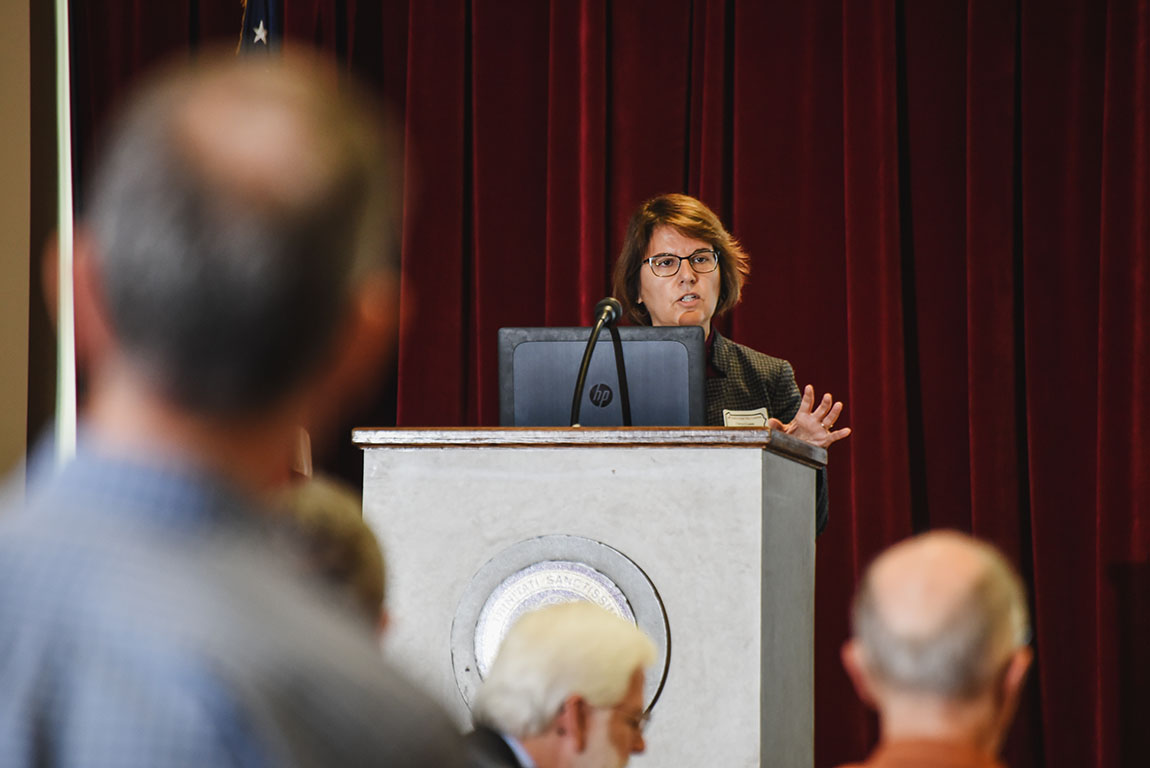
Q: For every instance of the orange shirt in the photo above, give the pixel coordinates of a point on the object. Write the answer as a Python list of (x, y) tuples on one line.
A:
[(927, 754)]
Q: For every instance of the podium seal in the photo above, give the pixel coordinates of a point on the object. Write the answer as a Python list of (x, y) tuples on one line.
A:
[(537, 585), (542, 571)]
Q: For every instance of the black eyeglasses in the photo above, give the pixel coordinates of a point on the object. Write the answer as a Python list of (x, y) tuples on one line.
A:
[(638, 722), (702, 261)]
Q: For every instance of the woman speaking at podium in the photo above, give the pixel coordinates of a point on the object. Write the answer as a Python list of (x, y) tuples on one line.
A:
[(679, 266)]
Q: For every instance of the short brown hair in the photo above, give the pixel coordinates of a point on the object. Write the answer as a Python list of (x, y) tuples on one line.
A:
[(693, 219), (339, 546)]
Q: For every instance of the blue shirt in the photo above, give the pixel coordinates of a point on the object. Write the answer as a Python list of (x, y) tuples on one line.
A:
[(147, 618), (521, 754)]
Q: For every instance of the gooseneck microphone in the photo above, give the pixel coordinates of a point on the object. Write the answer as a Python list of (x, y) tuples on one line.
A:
[(610, 310), (607, 312)]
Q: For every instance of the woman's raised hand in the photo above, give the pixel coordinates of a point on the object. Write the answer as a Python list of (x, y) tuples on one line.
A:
[(814, 425)]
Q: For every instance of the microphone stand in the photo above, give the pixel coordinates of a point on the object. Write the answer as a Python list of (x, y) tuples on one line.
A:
[(608, 311), (621, 373)]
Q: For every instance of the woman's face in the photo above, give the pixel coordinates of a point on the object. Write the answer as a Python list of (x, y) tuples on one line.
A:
[(686, 298)]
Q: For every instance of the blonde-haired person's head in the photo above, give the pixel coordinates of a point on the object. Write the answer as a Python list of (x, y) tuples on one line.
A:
[(339, 546)]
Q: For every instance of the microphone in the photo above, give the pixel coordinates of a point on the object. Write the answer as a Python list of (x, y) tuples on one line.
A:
[(610, 310), (607, 312)]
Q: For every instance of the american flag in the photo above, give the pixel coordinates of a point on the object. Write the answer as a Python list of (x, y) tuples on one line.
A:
[(262, 29)]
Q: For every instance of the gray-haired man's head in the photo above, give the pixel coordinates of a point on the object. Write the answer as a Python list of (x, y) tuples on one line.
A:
[(568, 685), (940, 630), (233, 210)]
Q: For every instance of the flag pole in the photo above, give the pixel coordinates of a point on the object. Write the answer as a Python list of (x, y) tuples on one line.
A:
[(66, 340)]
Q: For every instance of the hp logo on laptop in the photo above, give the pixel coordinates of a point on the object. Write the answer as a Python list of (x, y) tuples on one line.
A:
[(601, 395)]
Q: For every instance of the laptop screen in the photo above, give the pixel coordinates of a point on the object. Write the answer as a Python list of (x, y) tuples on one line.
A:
[(666, 371)]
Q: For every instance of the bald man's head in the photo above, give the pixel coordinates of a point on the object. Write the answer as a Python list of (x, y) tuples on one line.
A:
[(939, 614)]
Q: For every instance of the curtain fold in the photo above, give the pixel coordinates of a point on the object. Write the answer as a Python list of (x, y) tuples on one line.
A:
[(1062, 61), (574, 194), (995, 405), (788, 205), (649, 60), (509, 151), (947, 208), (877, 394), (995, 408), (434, 344), (713, 51), (1123, 376)]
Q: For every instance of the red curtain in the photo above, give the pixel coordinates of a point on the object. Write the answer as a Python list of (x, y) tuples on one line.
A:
[(948, 211)]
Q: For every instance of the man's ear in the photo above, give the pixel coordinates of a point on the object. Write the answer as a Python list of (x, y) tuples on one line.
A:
[(373, 334), (571, 722), (366, 344), (93, 330), (1010, 691), (1016, 670), (855, 666)]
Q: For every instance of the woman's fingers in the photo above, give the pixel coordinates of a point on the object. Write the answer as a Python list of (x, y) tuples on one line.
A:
[(838, 434), (808, 400), (833, 414), (824, 406)]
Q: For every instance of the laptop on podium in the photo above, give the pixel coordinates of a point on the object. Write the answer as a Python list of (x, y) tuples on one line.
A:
[(666, 376)]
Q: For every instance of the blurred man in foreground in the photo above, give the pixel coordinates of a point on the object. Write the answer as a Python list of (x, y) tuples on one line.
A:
[(231, 272), (565, 691), (939, 649)]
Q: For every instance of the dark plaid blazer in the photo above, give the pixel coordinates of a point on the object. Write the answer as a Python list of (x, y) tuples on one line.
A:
[(748, 380)]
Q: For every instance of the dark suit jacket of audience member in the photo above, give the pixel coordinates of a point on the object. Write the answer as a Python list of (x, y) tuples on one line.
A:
[(751, 380), (487, 749)]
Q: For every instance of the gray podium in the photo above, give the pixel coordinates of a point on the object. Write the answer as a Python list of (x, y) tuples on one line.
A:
[(704, 536)]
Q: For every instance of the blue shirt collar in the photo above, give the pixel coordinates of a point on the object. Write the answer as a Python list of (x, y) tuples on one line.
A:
[(164, 489), (521, 753)]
